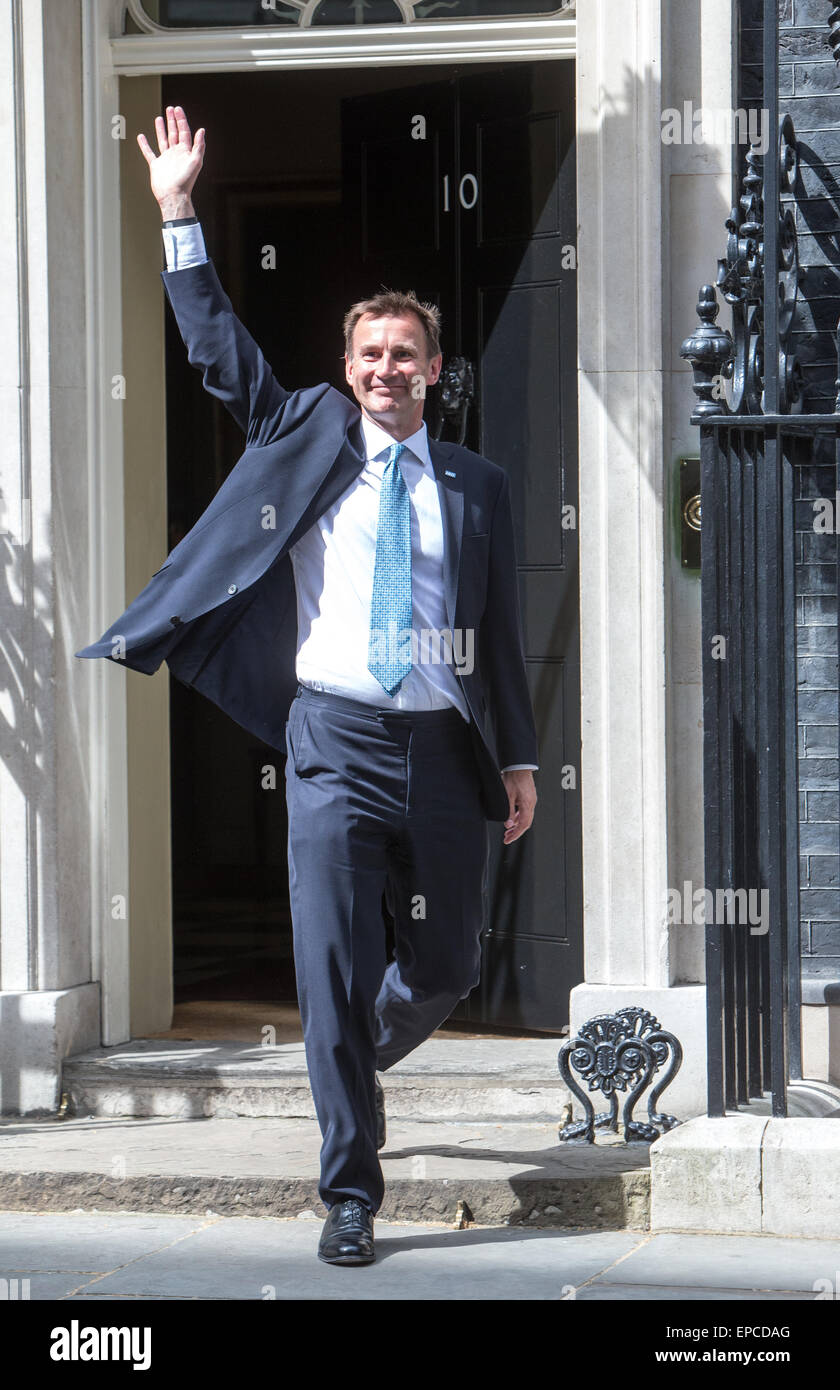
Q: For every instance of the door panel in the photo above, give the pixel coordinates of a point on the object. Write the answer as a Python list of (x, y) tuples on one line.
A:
[(520, 419), (517, 159), (407, 225), (395, 230)]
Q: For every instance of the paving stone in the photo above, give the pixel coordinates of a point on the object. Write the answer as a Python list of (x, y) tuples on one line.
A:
[(240, 1259), (659, 1293), (82, 1242), (751, 1263), (40, 1287)]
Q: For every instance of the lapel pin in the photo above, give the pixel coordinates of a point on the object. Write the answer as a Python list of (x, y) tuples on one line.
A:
[(450, 474)]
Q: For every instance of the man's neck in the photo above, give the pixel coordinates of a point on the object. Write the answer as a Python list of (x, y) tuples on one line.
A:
[(397, 432)]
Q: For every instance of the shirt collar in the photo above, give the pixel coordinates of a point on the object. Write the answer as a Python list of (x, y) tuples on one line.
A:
[(378, 440)]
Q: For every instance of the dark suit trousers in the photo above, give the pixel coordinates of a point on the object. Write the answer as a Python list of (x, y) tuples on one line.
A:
[(380, 803)]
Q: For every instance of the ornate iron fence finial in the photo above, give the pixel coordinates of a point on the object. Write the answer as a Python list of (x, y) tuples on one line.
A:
[(711, 351)]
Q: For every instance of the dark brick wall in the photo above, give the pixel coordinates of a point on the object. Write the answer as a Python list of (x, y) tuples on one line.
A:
[(809, 88)]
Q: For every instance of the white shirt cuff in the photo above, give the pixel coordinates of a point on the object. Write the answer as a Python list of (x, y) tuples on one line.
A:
[(184, 246), (521, 767)]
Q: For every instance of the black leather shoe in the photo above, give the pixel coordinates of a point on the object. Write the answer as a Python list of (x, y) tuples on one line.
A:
[(347, 1237), (380, 1115)]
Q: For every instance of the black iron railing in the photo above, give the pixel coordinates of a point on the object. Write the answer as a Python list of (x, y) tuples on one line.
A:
[(754, 437), (750, 750)]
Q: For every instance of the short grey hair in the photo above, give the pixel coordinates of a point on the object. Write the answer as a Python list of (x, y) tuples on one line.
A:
[(393, 304)]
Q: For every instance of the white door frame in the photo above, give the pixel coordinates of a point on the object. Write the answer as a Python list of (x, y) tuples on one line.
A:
[(109, 866), (108, 55), (158, 50)]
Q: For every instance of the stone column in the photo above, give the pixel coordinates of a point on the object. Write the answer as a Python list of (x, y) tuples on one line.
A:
[(49, 1002), (641, 765)]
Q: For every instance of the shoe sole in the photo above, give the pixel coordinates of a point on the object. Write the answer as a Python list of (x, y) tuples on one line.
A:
[(347, 1259)]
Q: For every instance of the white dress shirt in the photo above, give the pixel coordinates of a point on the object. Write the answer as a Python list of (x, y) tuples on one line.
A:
[(333, 565)]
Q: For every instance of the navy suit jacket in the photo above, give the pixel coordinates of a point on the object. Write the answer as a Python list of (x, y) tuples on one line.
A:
[(222, 611)]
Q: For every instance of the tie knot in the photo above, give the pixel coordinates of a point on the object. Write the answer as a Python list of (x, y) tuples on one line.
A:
[(394, 452)]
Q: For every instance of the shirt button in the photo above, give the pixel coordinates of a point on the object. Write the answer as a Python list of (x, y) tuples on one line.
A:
[(231, 588)]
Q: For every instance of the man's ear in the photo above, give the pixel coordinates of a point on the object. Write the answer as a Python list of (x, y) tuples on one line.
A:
[(434, 369), (348, 369)]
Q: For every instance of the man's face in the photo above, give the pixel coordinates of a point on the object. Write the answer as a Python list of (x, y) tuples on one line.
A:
[(390, 369)]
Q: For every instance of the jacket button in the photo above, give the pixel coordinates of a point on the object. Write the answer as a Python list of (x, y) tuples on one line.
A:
[(175, 621), (231, 588)]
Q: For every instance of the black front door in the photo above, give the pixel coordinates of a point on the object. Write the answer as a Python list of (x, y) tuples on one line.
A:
[(464, 191)]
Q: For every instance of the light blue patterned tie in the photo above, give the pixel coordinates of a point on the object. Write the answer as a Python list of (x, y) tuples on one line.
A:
[(390, 609)]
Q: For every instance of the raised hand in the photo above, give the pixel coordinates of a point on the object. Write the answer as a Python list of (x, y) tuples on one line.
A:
[(174, 171)]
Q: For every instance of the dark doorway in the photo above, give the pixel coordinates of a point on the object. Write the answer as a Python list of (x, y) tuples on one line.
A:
[(316, 190)]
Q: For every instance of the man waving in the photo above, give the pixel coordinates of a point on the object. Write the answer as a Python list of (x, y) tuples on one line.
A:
[(386, 589)]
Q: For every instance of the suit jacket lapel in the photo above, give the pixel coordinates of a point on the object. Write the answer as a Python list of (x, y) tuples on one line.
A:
[(450, 487), (345, 467)]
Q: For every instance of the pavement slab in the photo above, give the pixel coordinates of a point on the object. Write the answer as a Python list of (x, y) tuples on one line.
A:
[(751, 1264), (102, 1256)]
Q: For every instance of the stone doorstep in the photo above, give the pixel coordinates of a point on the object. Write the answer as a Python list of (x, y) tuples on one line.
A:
[(490, 1079), (291, 1098), (471, 1123), (622, 1203), (499, 1174)]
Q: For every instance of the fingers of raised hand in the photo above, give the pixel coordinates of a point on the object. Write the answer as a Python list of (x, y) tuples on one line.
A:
[(148, 152), (182, 126), (173, 132)]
